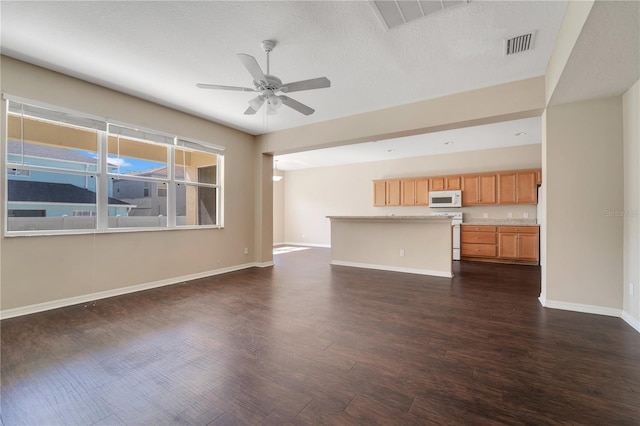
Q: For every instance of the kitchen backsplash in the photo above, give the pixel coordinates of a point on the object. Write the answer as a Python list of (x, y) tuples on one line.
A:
[(515, 211)]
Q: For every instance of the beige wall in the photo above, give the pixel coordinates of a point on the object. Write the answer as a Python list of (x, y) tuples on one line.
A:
[(509, 101), (312, 194), (278, 210), (584, 182), (631, 136), (44, 269)]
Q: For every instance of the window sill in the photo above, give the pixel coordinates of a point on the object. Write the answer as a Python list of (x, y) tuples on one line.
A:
[(14, 234)]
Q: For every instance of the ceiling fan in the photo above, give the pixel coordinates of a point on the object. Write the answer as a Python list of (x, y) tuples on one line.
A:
[(269, 86)]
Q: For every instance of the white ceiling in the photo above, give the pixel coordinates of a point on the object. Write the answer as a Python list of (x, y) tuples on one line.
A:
[(159, 50), (466, 139)]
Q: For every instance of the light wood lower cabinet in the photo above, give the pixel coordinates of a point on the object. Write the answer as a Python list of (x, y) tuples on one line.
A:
[(478, 241), (518, 243), (503, 244)]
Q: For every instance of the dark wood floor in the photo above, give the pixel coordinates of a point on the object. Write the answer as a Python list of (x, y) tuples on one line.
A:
[(308, 343)]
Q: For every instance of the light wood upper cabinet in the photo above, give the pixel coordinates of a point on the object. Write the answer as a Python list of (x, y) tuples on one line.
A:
[(408, 192), (479, 189), (386, 193), (393, 192), (379, 193), (422, 192), (445, 183), (510, 187), (518, 187)]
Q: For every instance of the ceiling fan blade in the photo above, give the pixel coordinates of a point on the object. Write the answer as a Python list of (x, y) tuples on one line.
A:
[(255, 104), (314, 83), (301, 108), (219, 87), (252, 66)]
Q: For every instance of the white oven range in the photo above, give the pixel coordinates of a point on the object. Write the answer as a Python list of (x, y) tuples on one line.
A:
[(456, 221)]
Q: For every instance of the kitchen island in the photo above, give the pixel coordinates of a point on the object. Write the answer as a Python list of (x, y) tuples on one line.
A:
[(412, 244)]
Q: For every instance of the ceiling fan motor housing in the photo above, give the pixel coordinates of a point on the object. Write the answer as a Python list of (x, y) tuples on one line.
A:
[(272, 84)]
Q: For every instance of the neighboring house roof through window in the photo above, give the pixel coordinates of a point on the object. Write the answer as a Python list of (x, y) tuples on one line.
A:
[(49, 192)]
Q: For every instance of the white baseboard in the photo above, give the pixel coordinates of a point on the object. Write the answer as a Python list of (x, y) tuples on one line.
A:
[(60, 303), (587, 309), (430, 272), (633, 322), (289, 243)]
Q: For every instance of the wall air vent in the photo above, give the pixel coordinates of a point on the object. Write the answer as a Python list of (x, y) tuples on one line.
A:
[(519, 43), (393, 13)]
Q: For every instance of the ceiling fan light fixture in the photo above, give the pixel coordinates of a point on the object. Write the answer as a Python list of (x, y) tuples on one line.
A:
[(256, 102), (275, 101), (276, 176)]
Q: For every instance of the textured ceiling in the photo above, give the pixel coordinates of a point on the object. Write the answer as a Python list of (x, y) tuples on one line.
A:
[(606, 59), (160, 50)]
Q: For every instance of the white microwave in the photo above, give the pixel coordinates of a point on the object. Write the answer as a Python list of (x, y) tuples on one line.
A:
[(445, 199)]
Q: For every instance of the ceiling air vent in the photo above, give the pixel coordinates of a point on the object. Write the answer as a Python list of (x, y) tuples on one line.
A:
[(519, 43)]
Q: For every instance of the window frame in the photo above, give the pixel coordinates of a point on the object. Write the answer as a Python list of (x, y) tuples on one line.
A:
[(103, 173)]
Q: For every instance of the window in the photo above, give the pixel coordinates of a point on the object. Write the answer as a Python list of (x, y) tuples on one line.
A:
[(19, 172), (162, 189), (84, 212), (83, 173), (197, 194)]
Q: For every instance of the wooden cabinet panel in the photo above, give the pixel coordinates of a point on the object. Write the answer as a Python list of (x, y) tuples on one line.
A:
[(470, 190), (408, 188), (453, 182), (393, 192), (518, 243), (479, 189), (478, 241), (478, 228), (488, 189), (508, 245), (379, 193), (436, 184), (528, 247), (527, 190), (478, 250), (519, 229), (422, 192), (518, 187), (445, 183), (507, 188), (386, 193), (472, 237)]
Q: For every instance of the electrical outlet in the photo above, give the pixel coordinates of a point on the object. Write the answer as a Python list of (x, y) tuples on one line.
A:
[(402, 253), (631, 289), (510, 215), (485, 215), (304, 236), (246, 250), (525, 215)]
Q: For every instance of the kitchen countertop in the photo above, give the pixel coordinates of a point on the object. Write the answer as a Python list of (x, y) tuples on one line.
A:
[(501, 222), (395, 218)]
